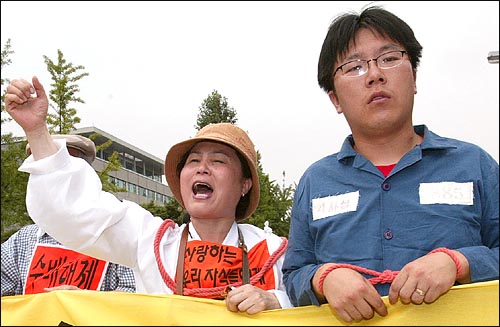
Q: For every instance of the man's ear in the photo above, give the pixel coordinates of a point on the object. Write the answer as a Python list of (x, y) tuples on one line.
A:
[(415, 81), (335, 101)]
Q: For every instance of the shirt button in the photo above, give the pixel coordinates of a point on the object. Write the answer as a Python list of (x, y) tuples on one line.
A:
[(386, 186), (388, 234)]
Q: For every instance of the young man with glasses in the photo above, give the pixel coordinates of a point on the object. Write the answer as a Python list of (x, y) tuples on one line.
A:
[(399, 211)]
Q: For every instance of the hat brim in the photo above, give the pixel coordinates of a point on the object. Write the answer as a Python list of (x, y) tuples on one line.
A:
[(179, 150)]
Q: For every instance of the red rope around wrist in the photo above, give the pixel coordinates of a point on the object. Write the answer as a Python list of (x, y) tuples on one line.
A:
[(387, 276), (453, 256), (323, 276)]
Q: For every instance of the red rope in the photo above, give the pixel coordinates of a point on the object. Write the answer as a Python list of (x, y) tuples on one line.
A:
[(387, 276), (167, 223), (212, 291), (453, 257)]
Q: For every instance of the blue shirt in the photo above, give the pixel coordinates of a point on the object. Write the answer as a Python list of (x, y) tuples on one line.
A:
[(442, 193)]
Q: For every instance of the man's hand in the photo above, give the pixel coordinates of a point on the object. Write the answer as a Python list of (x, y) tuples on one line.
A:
[(27, 104), (351, 296), (61, 287), (424, 279)]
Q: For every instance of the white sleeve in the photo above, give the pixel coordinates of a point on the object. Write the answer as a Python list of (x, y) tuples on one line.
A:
[(65, 198), (283, 298)]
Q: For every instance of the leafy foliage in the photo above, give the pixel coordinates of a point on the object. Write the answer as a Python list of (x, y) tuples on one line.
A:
[(274, 205), (215, 109), (6, 52), (171, 210), (13, 182), (63, 92), (14, 212), (113, 165)]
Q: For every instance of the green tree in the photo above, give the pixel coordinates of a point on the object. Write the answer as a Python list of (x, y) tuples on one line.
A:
[(6, 52), (63, 92), (171, 210), (112, 165), (274, 205), (215, 109), (14, 212), (13, 182)]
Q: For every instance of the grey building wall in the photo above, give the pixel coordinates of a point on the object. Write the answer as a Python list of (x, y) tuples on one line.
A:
[(141, 175)]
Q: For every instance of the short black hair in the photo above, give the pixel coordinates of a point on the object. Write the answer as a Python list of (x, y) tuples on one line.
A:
[(342, 32)]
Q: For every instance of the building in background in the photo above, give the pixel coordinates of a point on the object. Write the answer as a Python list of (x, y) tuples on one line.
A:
[(493, 57), (141, 175)]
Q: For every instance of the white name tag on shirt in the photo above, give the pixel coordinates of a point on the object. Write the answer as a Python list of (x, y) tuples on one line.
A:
[(334, 205), (447, 193)]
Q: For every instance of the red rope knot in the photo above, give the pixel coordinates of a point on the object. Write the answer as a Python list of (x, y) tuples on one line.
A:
[(387, 276)]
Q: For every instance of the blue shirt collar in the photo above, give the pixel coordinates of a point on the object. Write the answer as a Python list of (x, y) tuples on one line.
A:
[(431, 141)]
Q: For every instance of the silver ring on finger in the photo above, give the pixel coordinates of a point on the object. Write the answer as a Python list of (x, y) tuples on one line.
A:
[(419, 292)]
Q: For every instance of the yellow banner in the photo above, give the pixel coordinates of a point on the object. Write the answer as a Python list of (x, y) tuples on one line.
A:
[(465, 305)]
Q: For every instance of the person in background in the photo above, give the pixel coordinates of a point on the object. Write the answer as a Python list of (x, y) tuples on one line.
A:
[(399, 211), (34, 262), (212, 175)]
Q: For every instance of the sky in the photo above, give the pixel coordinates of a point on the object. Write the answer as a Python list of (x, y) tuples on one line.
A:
[(151, 64)]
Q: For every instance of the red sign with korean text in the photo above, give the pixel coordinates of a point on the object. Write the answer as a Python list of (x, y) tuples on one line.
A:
[(54, 265), (210, 265)]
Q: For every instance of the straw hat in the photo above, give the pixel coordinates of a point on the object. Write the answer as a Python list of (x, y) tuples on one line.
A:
[(83, 144), (225, 133)]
